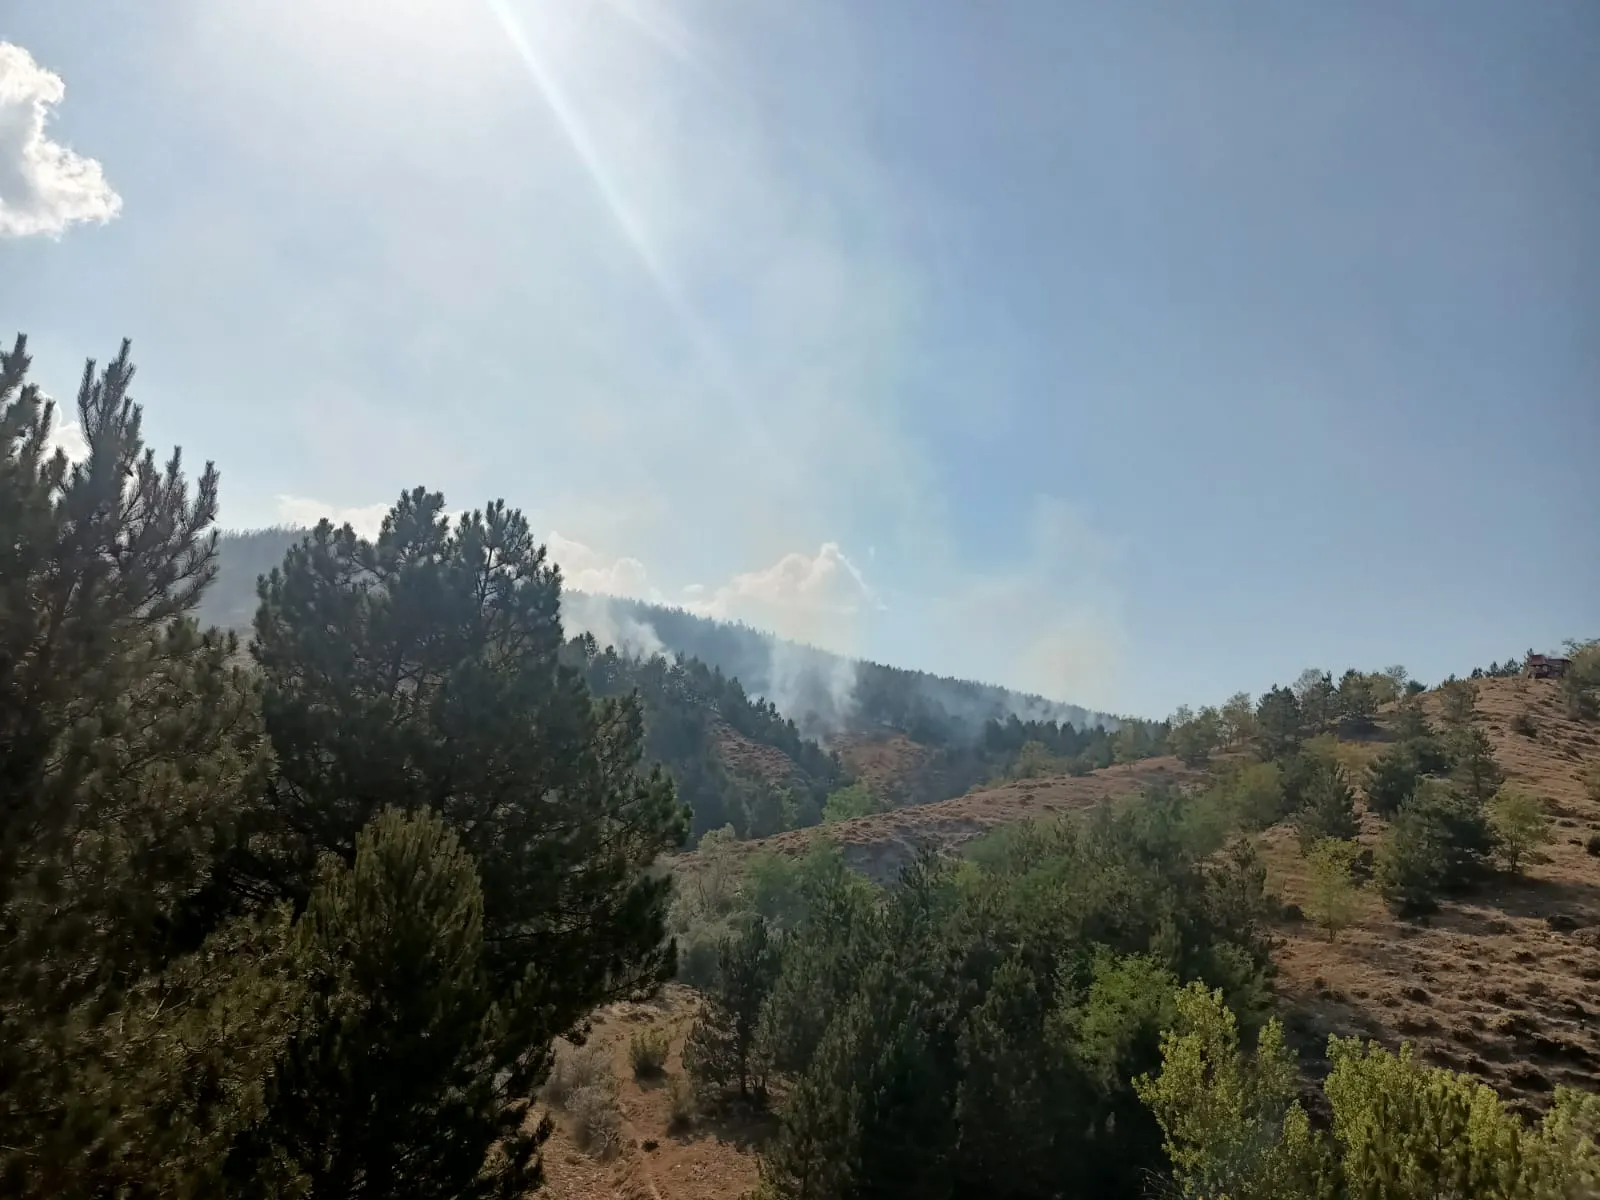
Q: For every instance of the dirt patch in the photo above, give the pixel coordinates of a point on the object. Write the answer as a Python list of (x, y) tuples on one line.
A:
[(709, 1159)]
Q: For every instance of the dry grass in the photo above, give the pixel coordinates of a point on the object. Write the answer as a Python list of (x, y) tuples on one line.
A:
[(880, 844), (1504, 982), (662, 1150)]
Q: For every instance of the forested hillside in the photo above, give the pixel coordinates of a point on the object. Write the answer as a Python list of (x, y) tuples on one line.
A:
[(388, 903), (822, 692), (740, 719)]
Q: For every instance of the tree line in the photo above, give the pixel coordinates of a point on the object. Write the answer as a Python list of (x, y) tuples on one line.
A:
[(306, 926)]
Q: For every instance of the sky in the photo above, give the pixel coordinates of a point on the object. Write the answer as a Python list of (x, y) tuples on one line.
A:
[(1128, 354)]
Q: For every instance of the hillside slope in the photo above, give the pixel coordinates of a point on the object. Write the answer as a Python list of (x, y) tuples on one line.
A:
[(823, 692), (1503, 982), (739, 718)]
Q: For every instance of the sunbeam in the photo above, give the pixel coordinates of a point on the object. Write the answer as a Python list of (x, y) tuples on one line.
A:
[(632, 227)]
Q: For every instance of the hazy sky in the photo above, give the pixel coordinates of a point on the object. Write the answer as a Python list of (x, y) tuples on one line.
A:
[(1128, 353)]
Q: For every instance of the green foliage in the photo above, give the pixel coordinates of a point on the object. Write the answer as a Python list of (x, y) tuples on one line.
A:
[(1358, 697), (164, 1030), (1193, 736), (1519, 825), (1237, 720), (1332, 900), (647, 1052), (1400, 1129), (856, 800), (403, 1067), (137, 1026), (1459, 698), (721, 1050), (1254, 795), (1580, 686), (1317, 697), (1231, 1123), (1473, 769), (687, 711), (1279, 723), (1392, 778), (976, 1029), (1328, 807), (368, 705), (1437, 843)]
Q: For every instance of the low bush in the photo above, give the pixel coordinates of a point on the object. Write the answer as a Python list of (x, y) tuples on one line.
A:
[(575, 1068), (647, 1051), (596, 1122)]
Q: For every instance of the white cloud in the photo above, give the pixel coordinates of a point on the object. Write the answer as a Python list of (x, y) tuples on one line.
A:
[(587, 570), (67, 436), (300, 511), (44, 186), (820, 598)]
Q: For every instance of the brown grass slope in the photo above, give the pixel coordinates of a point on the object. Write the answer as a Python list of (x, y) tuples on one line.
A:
[(880, 844), (1504, 982)]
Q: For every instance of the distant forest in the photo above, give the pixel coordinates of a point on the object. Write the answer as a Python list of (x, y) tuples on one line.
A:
[(804, 680), (718, 686)]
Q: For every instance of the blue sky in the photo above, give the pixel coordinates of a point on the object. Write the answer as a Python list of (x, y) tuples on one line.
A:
[(1132, 354)]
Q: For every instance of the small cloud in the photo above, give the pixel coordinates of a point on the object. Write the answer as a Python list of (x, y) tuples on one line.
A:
[(67, 436), (819, 598), (44, 186), (300, 512), (586, 570)]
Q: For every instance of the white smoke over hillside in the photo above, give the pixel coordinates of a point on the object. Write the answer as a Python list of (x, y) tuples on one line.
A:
[(600, 617), (824, 688)]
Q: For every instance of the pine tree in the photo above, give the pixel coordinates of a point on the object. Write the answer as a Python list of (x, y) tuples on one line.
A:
[(1278, 723), (1330, 807), (396, 1084), (135, 1030), (721, 1049), (423, 671)]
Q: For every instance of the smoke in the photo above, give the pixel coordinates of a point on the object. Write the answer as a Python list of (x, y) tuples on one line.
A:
[(603, 618), (814, 688)]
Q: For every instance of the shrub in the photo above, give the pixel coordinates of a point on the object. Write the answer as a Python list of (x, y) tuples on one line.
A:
[(575, 1068), (681, 1106), (596, 1122), (647, 1051), (1332, 900), (1591, 785), (1399, 1128), (1520, 825), (1523, 723), (1593, 844), (697, 956), (846, 803)]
